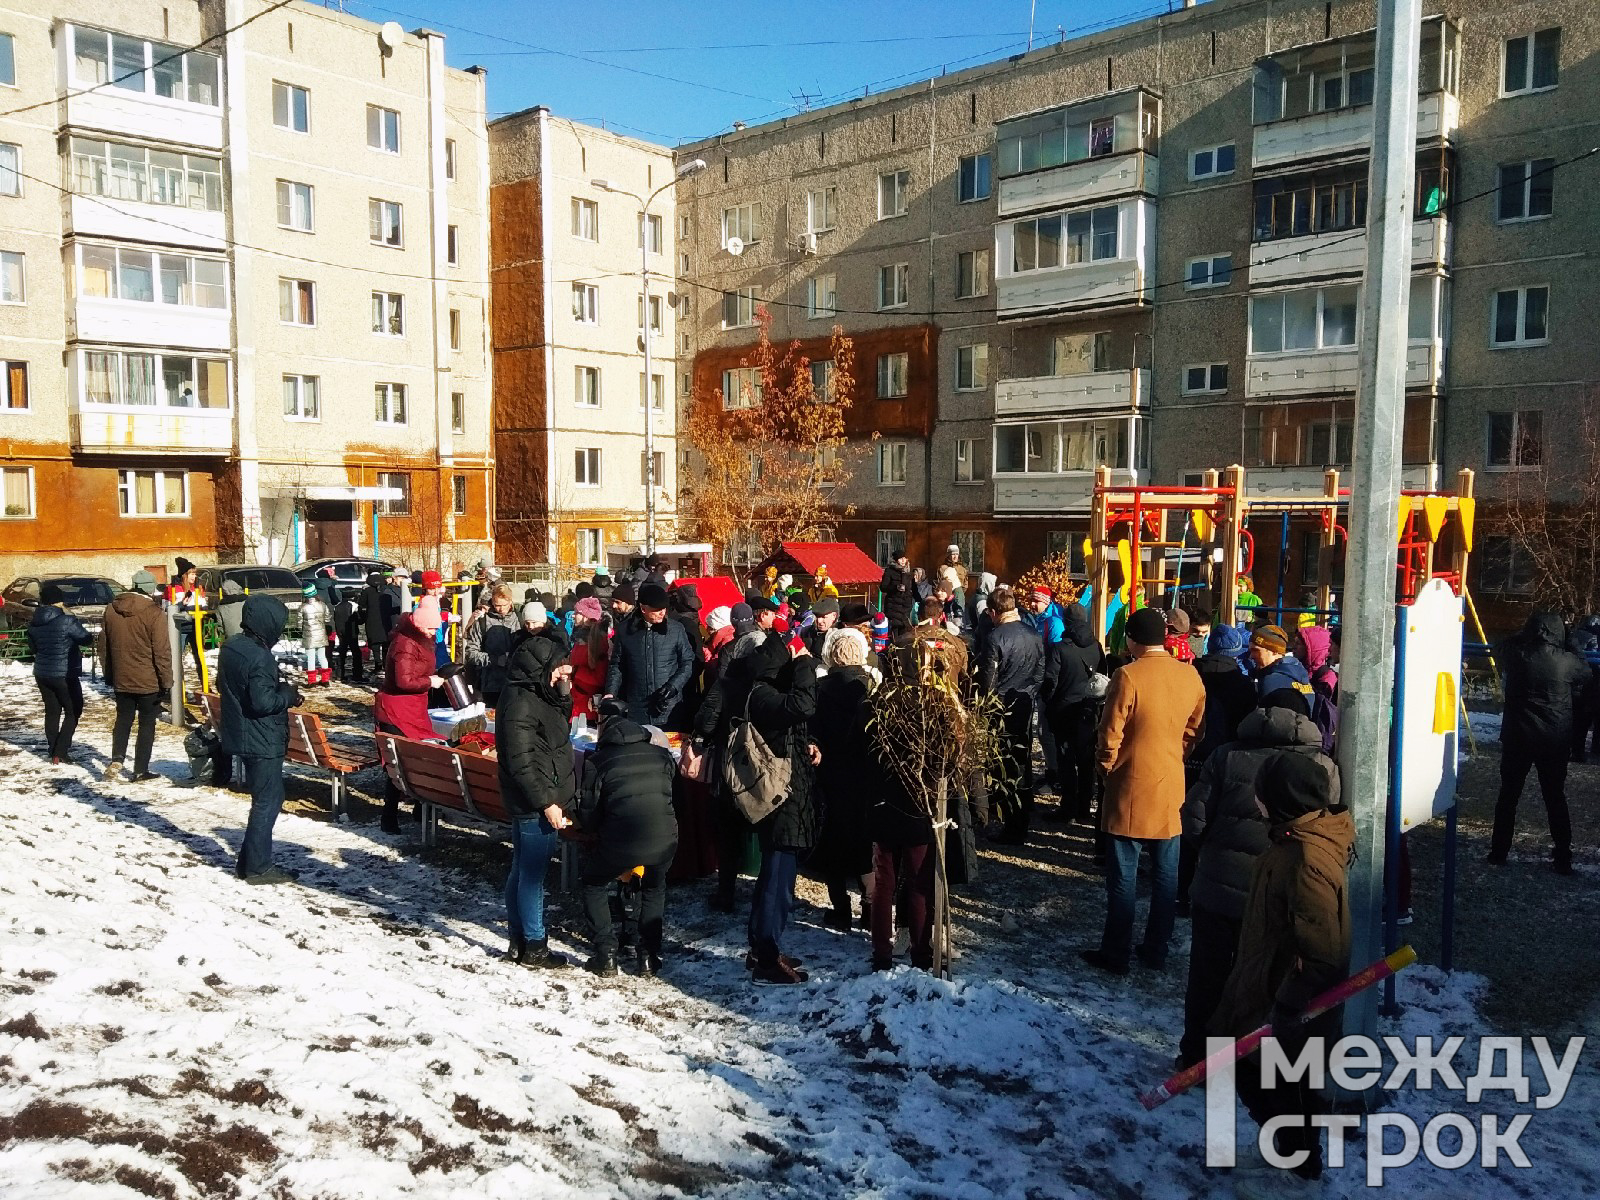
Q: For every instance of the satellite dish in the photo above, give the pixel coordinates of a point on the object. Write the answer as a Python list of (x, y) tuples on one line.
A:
[(389, 34), (735, 246)]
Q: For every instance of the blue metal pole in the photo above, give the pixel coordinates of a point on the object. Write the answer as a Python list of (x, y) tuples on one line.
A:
[(294, 534), (1447, 932), (375, 529), (1283, 561), (1391, 856)]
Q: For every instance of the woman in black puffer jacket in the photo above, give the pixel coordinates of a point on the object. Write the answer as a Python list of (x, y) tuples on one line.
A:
[(58, 639)]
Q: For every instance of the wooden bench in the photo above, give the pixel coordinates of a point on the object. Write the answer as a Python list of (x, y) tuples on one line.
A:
[(309, 747), (434, 776)]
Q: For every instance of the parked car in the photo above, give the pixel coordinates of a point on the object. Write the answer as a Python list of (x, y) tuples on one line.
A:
[(87, 597), (272, 581), (347, 572)]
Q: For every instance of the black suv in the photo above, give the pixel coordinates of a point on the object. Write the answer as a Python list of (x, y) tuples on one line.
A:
[(347, 572), (87, 597), (272, 581)]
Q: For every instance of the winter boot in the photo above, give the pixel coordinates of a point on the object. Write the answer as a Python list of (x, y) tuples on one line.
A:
[(390, 822), (648, 962), (536, 952), (779, 974), (604, 965), (514, 950), (113, 772)]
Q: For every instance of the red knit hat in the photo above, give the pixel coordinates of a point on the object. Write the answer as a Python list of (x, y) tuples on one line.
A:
[(432, 579)]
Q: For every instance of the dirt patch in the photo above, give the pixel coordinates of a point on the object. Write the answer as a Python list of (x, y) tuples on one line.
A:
[(26, 1026), (146, 1183), (38, 975), (470, 1114), (123, 987), (439, 1157)]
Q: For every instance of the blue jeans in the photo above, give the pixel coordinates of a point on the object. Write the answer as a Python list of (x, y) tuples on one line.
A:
[(1122, 885), (265, 778), (772, 903), (533, 843)]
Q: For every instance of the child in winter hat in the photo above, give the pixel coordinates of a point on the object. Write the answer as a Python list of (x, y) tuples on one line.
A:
[(880, 633)]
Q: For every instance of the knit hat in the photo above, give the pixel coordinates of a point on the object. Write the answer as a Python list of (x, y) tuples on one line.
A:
[(1292, 785), (880, 632), (310, 589), (624, 592), (52, 593), (1317, 640), (145, 582), (184, 565), (1290, 698), (1043, 593), (1271, 637), (588, 608), (1178, 621), (426, 615), (431, 579), (1227, 639), (952, 549), (848, 649), (534, 613), (583, 591), (653, 596), (855, 613), (719, 618), (1148, 627), (826, 605)]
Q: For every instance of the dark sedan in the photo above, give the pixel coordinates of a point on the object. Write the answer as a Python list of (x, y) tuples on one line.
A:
[(86, 598)]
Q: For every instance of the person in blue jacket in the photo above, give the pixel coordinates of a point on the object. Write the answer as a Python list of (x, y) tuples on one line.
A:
[(1272, 666), (58, 639)]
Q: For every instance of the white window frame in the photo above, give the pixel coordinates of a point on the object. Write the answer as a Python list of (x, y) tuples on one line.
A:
[(384, 396), (1066, 238), (1528, 40), (298, 385), (389, 313), (973, 546), (742, 387), (586, 303), (288, 191), (586, 383), (1212, 172), (1531, 168), (157, 376), (979, 273), (658, 312), (394, 508), (658, 232), (894, 286), (586, 466), (1522, 339), (382, 128), (893, 457), (291, 289), (154, 257), (740, 221), (7, 365), (987, 181), (11, 57), (453, 324), (1213, 262), (381, 208), (458, 412), (894, 370), (894, 198), (822, 375), (450, 159), (595, 539), (1210, 388), (33, 495), (128, 494), (661, 469), (885, 544), (14, 171), (119, 170), (972, 367), (683, 269), (969, 462), (18, 259), (743, 308), (822, 296), (289, 90), (585, 219), (659, 399), (1518, 417), (822, 209), (1321, 343)]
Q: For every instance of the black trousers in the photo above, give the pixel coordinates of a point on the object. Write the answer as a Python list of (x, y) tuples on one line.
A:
[(63, 705), (1213, 947), (1291, 1099), (145, 707), (1074, 729), (599, 873), (1551, 766), (1016, 790)]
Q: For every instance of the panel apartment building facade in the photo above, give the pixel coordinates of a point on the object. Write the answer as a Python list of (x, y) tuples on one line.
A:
[(569, 329), (1143, 249), (250, 318)]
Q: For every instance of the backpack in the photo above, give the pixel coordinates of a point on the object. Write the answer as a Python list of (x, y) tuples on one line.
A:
[(757, 779), (1326, 715)]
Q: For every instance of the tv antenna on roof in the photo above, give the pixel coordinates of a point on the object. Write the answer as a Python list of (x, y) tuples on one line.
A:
[(803, 99)]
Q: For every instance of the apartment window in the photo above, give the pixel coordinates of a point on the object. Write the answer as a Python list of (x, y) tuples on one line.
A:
[(383, 129), (449, 158), (683, 228), (301, 398), (8, 61), (970, 542), (738, 308), (383, 222), (822, 296), (452, 245), (1521, 317), (821, 206), (893, 373), (389, 403), (13, 277), (893, 194), (1205, 379), (586, 303), (1312, 319), (741, 388), (149, 278), (683, 269), (1516, 439), (1504, 567), (121, 172), (891, 464), (586, 467), (1211, 161), (894, 285), (685, 384), (650, 233), (1531, 63), (153, 493), (827, 465), (1329, 201), (972, 274), (585, 219), (13, 386), (1054, 447), (117, 377), (586, 392), (297, 301), (458, 495), (152, 68), (658, 392), (1080, 353), (969, 466), (973, 178), (17, 492), (1041, 243), (588, 546), (660, 472), (1211, 271), (458, 412), (291, 107), (822, 381), (294, 205), (888, 545), (10, 169), (389, 314), (1527, 190), (455, 329), (972, 367), (400, 481), (739, 222), (657, 306)]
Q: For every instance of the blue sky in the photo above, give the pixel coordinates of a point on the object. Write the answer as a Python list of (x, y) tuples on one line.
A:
[(672, 71)]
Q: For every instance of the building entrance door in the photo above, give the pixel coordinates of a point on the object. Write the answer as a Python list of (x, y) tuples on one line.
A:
[(330, 529)]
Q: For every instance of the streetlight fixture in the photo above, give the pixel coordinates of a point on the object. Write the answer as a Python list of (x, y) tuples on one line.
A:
[(692, 167)]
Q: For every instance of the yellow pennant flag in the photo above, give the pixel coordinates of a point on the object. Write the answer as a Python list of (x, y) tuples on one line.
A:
[(1202, 524), (1405, 511), (1466, 509), (1434, 510)]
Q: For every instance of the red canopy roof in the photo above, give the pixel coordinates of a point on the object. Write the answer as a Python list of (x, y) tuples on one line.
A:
[(714, 592), (845, 561)]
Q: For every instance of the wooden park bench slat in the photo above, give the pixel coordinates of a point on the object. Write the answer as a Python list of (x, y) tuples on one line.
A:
[(309, 747), (436, 776)]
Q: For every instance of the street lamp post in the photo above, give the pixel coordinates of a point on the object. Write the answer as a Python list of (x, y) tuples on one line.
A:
[(693, 167)]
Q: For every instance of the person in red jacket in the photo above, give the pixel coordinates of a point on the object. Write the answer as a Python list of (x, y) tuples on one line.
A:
[(591, 658), (401, 705)]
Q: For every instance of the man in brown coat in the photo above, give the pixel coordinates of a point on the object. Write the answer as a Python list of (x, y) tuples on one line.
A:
[(1153, 716), (136, 655), (1294, 945)]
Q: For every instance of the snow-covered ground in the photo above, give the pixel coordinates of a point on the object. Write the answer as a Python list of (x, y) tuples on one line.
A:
[(168, 1031)]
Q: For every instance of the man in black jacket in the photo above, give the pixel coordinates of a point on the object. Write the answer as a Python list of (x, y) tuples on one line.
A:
[(683, 603), (651, 661), (1072, 709), (58, 639), (898, 594), (626, 807), (1012, 668), (255, 727), (1543, 681)]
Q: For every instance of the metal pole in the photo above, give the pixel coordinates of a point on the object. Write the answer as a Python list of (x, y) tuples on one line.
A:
[(649, 410), (175, 692), (1366, 677)]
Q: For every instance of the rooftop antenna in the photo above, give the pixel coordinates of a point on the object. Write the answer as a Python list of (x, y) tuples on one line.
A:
[(803, 99)]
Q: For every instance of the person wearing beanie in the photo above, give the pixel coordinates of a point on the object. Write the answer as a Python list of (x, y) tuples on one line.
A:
[(1153, 714), (1271, 665), (401, 704), (683, 606), (955, 572), (315, 633), (897, 592), (1012, 669), (1045, 615), (187, 600), (377, 609), (880, 633), (623, 599), (824, 617), (1178, 636), (1072, 707), (1199, 632), (433, 585), (652, 660), (1294, 943), (57, 639), (587, 610), (135, 651), (1230, 693), (845, 778)]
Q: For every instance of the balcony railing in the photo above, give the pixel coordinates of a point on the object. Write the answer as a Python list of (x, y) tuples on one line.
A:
[(1324, 255), (105, 429), (1080, 182), (1071, 491), (1317, 372), (1345, 131), (1310, 481), (1096, 391), (94, 216)]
